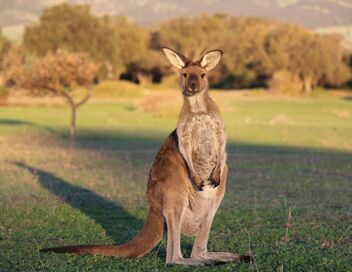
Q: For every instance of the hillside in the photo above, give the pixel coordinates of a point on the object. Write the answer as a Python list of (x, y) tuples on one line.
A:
[(310, 13)]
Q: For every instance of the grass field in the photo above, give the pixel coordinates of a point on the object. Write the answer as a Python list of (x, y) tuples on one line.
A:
[(288, 198)]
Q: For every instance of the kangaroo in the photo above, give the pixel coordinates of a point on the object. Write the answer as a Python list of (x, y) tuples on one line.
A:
[(187, 180)]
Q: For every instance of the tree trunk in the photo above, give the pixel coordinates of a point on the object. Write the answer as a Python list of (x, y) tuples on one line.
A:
[(307, 85), (74, 106), (110, 70), (73, 123)]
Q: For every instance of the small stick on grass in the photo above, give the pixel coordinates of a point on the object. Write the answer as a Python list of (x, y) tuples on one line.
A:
[(250, 252), (288, 225), (339, 241)]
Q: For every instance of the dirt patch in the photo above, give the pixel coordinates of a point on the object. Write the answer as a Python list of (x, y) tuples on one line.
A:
[(342, 113), (281, 119)]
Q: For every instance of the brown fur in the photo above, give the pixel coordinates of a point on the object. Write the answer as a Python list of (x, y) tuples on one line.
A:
[(187, 180)]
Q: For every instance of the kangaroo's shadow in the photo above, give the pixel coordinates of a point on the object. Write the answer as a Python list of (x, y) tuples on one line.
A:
[(117, 222)]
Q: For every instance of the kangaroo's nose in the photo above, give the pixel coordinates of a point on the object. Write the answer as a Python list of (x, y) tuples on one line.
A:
[(193, 85)]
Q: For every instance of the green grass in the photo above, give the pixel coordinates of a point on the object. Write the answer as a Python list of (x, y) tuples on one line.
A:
[(117, 89), (284, 154)]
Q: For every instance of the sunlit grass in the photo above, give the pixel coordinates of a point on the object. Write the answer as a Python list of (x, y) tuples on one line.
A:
[(284, 153)]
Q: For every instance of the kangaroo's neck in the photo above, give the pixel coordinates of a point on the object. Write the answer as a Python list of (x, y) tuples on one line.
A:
[(197, 103)]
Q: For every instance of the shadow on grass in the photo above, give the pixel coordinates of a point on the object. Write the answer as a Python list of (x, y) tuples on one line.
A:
[(348, 98), (150, 140), (309, 178), (112, 217), (112, 140), (15, 122)]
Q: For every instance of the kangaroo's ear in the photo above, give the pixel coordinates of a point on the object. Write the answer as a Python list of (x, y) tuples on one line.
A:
[(176, 59), (210, 59)]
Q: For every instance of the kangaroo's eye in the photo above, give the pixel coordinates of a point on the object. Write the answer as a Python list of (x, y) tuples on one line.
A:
[(202, 75), (184, 74)]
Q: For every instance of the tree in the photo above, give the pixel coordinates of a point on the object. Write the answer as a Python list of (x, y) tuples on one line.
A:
[(191, 35), (74, 29), (314, 59), (59, 74), (247, 64), (257, 48), (3, 71), (131, 42), (3, 40), (12, 57), (3, 45), (240, 38), (333, 71), (113, 41)]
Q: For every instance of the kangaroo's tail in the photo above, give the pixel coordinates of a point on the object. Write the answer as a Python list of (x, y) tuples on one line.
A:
[(147, 238)]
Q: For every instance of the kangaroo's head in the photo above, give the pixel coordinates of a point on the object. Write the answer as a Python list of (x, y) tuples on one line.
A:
[(193, 74)]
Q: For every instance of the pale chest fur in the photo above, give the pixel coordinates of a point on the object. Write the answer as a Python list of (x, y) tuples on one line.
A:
[(202, 129), (201, 136)]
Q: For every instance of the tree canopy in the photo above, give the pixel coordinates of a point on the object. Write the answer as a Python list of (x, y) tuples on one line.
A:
[(255, 48), (60, 74)]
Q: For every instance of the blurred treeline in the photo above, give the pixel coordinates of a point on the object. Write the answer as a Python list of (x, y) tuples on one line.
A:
[(258, 52)]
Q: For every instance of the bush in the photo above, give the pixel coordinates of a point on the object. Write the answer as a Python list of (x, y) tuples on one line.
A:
[(246, 79), (4, 93), (284, 82), (117, 89)]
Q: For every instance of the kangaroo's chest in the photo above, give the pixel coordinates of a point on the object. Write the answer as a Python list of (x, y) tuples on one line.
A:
[(205, 144)]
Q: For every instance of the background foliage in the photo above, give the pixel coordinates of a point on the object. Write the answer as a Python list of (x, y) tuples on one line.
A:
[(256, 49)]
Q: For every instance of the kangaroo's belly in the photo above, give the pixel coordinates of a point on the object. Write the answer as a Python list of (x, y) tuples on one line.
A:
[(205, 145), (201, 207)]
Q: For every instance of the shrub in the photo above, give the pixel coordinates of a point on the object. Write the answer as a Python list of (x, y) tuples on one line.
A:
[(284, 82), (4, 93), (117, 89), (246, 79)]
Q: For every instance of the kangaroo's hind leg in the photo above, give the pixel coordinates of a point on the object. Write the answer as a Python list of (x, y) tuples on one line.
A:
[(199, 250), (173, 251), (173, 214)]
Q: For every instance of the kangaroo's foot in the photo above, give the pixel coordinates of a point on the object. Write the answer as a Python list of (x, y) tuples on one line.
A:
[(196, 262), (226, 257)]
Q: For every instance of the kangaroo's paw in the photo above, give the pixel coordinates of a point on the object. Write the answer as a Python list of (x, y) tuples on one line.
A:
[(198, 182), (215, 177)]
